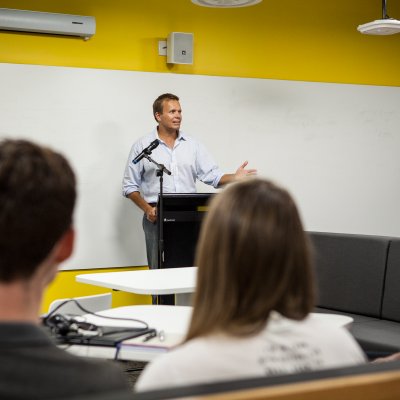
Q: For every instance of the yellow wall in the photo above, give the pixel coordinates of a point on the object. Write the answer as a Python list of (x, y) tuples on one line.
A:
[(309, 40), (65, 286)]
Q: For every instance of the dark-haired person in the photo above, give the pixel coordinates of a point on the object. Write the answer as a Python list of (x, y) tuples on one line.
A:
[(185, 157), (255, 290), (37, 198)]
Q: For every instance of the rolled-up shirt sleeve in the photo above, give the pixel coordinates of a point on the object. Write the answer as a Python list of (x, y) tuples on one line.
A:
[(132, 180)]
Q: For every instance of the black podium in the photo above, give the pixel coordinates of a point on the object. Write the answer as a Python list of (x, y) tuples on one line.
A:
[(181, 219)]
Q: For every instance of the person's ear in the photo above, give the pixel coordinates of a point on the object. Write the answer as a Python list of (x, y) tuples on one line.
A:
[(158, 116), (65, 245), (60, 252)]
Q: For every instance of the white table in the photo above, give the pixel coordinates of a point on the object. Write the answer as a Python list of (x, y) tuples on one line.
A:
[(178, 281), (334, 319), (171, 321)]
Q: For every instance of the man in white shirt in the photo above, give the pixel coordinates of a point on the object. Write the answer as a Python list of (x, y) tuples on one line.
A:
[(186, 158)]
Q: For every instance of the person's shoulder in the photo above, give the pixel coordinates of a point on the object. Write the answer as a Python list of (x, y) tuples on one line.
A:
[(327, 322), (100, 376), (194, 142), (59, 368), (189, 138), (314, 324), (332, 331), (170, 366), (85, 370), (327, 334), (145, 139), (157, 373)]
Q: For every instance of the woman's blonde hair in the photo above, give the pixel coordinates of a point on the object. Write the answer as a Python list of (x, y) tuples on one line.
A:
[(253, 257)]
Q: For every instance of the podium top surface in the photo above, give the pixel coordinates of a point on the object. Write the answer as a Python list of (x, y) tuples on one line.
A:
[(185, 199)]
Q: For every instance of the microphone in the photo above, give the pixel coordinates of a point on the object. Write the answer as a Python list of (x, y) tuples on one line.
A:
[(147, 151)]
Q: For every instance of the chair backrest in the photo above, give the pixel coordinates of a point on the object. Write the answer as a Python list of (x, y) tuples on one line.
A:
[(391, 297), (93, 303), (383, 386), (377, 381), (350, 271)]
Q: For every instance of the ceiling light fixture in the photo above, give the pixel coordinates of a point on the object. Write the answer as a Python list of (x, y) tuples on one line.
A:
[(226, 3), (384, 26)]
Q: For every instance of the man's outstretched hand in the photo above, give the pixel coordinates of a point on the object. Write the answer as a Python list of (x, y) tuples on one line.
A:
[(241, 172)]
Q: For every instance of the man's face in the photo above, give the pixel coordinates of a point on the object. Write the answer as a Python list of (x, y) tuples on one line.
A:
[(171, 116)]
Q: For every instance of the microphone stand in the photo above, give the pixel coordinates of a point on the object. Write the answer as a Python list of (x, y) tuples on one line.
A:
[(160, 173)]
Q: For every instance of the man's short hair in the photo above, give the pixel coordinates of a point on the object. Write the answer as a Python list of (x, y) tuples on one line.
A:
[(37, 198), (159, 102)]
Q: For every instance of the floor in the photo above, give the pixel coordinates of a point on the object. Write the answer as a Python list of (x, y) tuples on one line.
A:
[(132, 370)]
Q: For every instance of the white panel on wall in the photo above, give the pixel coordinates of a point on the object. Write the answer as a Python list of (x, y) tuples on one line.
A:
[(334, 146)]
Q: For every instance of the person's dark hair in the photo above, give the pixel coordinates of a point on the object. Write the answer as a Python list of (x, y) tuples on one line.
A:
[(253, 257), (159, 102), (37, 198)]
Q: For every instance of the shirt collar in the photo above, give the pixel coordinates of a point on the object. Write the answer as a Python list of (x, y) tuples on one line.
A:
[(181, 135)]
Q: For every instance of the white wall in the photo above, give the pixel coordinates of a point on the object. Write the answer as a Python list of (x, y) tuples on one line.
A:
[(333, 146)]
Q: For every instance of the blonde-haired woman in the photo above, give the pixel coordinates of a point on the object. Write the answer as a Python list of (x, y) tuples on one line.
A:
[(255, 290)]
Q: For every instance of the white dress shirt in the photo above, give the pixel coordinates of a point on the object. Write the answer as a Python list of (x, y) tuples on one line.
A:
[(188, 161)]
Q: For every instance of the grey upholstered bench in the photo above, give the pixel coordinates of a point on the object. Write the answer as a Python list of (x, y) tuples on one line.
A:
[(359, 276)]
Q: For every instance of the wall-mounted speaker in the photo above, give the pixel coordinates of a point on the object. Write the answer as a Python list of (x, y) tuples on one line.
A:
[(180, 48)]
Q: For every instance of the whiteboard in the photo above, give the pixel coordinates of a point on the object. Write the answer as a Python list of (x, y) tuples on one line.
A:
[(334, 146)]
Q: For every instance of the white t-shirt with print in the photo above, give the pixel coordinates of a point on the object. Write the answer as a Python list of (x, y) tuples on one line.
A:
[(284, 346)]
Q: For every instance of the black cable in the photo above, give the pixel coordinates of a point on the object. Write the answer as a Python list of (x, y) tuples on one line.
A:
[(146, 326), (71, 328)]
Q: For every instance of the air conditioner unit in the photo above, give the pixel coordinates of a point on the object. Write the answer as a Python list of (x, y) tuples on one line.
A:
[(50, 23)]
